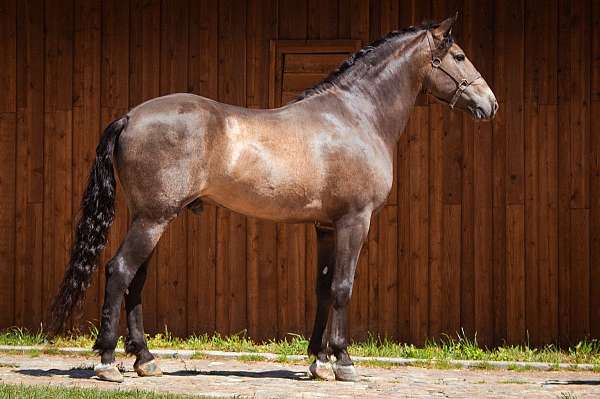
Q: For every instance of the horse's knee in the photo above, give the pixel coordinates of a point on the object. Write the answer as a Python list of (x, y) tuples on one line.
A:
[(119, 274), (341, 294)]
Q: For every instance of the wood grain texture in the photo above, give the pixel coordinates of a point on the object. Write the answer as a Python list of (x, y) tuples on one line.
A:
[(490, 229), (9, 274), (30, 155), (87, 50)]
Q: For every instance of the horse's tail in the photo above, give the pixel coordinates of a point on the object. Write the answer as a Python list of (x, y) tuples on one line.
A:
[(97, 214)]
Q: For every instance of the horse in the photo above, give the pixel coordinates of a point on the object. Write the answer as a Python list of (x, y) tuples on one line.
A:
[(326, 158)]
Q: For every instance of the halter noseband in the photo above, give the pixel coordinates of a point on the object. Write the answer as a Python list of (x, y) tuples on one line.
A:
[(461, 85)]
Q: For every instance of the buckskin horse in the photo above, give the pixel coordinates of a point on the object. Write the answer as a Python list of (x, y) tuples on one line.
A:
[(326, 158)]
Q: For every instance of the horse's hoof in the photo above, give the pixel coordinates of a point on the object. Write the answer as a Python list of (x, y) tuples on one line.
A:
[(321, 370), (108, 372), (148, 369), (345, 373)]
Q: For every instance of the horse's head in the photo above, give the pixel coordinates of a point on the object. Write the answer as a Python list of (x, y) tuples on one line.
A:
[(453, 79)]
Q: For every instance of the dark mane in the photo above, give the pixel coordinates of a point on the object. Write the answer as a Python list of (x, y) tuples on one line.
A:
[(334, 77)]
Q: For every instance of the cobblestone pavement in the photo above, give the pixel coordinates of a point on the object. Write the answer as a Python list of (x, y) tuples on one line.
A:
[(230, 378)]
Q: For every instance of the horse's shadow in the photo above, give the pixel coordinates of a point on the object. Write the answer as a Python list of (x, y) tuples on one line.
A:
[(281, 374), (572, 382), (88, 373), (71, 373)]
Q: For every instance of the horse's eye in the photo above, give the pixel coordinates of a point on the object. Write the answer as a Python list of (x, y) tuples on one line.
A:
[(459, 57)]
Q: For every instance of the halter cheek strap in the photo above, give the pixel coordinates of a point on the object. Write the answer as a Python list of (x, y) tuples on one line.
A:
[(461, 84)]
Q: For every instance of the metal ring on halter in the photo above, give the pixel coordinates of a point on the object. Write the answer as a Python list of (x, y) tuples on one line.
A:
[(436, 62), (462, 86)]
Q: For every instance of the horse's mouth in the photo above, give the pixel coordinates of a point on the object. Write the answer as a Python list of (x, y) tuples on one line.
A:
[(479, 114)]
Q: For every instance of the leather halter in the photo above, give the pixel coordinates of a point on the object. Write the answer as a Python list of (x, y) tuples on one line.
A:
[(461, 84)]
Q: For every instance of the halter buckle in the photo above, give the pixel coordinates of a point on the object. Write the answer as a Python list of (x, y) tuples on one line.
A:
[(463, 84), (436, 62)]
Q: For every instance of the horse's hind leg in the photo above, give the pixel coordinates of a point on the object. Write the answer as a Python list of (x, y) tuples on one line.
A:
[(321, 368), (135, 343), (141, 239)]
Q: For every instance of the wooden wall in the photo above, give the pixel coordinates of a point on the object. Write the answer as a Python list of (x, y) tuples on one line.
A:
[(491, 228)]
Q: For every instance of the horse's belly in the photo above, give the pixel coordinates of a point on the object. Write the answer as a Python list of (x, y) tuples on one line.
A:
[(265, 200)]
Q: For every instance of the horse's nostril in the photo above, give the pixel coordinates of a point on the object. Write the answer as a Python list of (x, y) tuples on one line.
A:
[(496, 106)]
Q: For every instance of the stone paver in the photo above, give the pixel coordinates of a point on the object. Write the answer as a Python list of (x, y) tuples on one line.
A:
[(224, 378)]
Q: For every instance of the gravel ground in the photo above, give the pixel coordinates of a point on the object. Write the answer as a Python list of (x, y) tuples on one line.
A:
[(234, 378)]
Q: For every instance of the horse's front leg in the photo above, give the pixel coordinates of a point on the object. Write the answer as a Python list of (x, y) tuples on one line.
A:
[(351, 233), (135, 343), (321, 368)]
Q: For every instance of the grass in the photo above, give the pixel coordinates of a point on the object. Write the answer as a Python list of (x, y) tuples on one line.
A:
[(567, 395), (46, 392), (439, 351)]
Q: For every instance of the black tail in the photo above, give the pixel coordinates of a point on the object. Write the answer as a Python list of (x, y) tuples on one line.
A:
[(97, 214)]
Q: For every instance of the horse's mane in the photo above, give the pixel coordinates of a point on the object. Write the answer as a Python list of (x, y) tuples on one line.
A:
[(334, 77)]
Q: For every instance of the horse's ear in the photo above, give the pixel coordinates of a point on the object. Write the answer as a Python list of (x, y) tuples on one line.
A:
[(445, 27)]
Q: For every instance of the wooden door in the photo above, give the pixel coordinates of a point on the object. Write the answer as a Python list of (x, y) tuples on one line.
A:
[(297, 65)]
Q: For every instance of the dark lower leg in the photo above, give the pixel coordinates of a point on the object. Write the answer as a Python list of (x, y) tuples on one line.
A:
[(326, 264), (106, 341), (135, 343), (338, 338), (351, 234), (120, 272)]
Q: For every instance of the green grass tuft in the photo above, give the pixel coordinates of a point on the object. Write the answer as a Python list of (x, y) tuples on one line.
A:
[(251, 358), (460, 347), (46, 392)]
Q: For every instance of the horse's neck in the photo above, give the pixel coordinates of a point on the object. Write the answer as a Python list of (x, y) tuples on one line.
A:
[(386, 93)]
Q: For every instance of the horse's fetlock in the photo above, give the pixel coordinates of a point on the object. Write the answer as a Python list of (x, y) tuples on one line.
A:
[(133, 346)]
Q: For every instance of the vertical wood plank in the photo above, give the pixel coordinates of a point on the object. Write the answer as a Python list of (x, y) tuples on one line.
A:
[(30, 155), (580, 164), (595, 225), (404, 234), (419, 243), (8, 56), (8, 165), (515, 274), (467, 281), (503, 21), (580, 275), (7, 216), (451, 292), (564, 176), (292, 19), (595, 173), (202, 229), (531, 221), (548, 226), (322, 19), (437, 305), (57, 143), (478, 36), (231, 227), (86, 122)]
